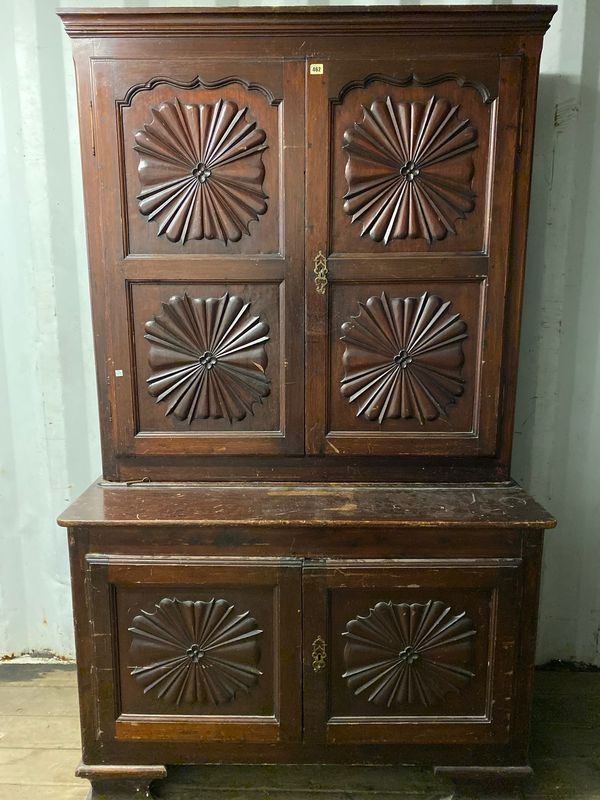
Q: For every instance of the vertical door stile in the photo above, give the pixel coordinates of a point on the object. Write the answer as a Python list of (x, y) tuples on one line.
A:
[(317, 241), (292, 235), (315, 623)]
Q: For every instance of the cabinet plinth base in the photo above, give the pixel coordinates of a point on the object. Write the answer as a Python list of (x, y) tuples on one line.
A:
[(120, 782), (485, 783)]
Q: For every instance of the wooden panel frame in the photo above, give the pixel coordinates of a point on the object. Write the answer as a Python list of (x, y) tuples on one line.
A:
[(500, 577), (442, 437), (113, 90), (106, 572), (210, 436), (493, 264)]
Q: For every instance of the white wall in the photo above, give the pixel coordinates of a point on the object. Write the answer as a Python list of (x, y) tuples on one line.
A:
[(49, 436)]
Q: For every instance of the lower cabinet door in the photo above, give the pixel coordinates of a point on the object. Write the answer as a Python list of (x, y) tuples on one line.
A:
[(410, 652), (196, 649)]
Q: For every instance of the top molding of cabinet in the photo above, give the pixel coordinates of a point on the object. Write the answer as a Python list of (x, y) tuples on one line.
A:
[(338, 21)]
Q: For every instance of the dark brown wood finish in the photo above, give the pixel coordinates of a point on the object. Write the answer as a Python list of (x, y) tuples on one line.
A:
[(306, 258), (483, 570), (443, 403), (208, 649), (419, 651), (410, 506), (202, 254), (416, 249)]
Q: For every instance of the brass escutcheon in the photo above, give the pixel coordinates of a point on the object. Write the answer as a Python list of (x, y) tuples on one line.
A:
[(319, 654), (320, 272)]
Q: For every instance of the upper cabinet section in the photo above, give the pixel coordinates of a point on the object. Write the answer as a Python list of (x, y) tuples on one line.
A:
[(306, 231)]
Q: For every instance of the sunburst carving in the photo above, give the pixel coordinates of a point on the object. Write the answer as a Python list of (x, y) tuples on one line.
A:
[(401, 654), (403, 358), (201, 171), (208, 358), (409, 169), (195, 652)]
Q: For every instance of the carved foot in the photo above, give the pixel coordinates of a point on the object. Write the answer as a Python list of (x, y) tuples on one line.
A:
[(120, 782), (485, 783)]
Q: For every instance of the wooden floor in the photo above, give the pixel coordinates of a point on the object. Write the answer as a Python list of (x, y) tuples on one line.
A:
[(39, 740)]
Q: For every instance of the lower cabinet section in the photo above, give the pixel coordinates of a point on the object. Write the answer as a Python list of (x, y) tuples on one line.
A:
[(284, 651), (304, 624)]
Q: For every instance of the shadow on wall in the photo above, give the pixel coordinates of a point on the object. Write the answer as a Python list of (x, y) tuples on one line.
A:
[(558, 409)]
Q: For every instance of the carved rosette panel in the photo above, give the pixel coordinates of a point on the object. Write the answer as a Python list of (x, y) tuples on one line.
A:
[(201, 171), (409, 169), (402, 654), (195, 652), (403, 358), (208, 358)]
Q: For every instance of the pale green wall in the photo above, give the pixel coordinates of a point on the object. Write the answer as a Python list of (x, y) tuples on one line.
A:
[(49, 437)]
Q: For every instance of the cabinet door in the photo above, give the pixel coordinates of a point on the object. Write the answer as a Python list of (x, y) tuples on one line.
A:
[(197, 648), (198, 292), (410, 651), (411, 175)]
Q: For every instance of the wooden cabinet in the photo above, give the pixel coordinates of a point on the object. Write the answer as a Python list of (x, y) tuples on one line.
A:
[(306, 234), (190, 648)]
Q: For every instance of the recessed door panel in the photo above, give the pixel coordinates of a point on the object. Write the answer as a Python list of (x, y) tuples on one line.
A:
[(405, 366), (412, 168), (208, 361), (201, 162)]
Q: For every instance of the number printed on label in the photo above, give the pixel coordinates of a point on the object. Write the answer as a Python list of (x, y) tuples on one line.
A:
[(316, 69)]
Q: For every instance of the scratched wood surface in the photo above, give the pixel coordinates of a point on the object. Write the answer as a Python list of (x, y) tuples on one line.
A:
[(493, 506)]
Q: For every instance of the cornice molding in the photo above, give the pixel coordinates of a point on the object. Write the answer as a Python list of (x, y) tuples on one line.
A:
[(290, 21)]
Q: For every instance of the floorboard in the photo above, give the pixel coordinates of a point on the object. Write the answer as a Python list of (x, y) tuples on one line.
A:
[(39, 749)]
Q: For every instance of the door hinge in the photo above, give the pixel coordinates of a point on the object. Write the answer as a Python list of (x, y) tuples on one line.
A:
[(321, 272)]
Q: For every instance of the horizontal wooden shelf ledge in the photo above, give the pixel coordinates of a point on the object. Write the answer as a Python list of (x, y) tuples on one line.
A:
[(504, 505)]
